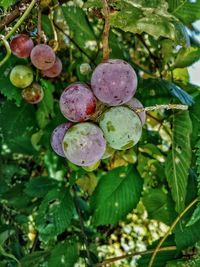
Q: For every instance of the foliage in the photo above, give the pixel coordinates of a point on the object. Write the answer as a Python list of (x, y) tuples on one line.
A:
[(54, 213)]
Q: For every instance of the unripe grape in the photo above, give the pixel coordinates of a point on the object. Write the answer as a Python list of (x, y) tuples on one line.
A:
[(114, 82), (55, 70), (121, 126), (33, 94), (92, 167), (84, 144), (108, 153), (21, 45), (77, 102), (43, 57), (57, 138), (133, 104), (21, 76), (85, 68)]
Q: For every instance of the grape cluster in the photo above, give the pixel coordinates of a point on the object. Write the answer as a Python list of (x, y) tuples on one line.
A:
[(42, 58), (86, 139)]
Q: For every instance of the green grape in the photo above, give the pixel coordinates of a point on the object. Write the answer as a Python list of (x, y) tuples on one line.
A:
[(108, 153), (121, 126), (92, 167), (21, 76)]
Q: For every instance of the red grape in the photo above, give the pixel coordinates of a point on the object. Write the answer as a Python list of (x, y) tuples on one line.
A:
[(84, 144), (55, 70), (57, 137), (77, 102), (43, 57), (133, 104), (33, 94), (21, 45), (114, 82)]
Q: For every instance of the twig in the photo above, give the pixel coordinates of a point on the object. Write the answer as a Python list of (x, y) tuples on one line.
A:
[(72, 40), (82, 229), (55, 39), (105, 36), (146, 252), (20, 21), (170, 230), (15, 13), (157, 107)]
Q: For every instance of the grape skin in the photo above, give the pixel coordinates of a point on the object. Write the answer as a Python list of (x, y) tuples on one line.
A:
[(84, 144), (57, 138), (133, 104), (43, 57), (33, 94), (21, 45), (55, 70), (77, 102), (21, 76), (121, 126), (114, 82)]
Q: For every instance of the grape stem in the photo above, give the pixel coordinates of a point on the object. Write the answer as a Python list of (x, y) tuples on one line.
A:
[(129, 255), (170, 230), (8, 50), (157, 107), (105, 36)]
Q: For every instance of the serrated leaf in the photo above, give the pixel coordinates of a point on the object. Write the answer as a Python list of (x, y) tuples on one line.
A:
[(17, 126), (64, 255), (186, 57), (178, 161), (40, 186), (55, 213), (187, 11), (159, 206), (117, 194)]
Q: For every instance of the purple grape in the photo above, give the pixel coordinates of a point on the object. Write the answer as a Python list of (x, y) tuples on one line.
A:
[(84, 144), (21, 45), (114, 82), (43, 57), (77, 102), (55, 70), (57, 138), (133, 104)]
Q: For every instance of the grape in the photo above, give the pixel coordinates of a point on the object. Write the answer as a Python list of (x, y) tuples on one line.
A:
[(43, 57), (121, 126), (77, 102), (33, 94), (92, 167), (108, 153), (85, 68), (84, 144), (21, 45), (114, 82), (57, 138), (55, 70), (134, 103), (21, 76)]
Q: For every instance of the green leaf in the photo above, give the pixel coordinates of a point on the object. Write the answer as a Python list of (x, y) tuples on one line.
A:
[(40, 186), (130, 17), (17, 126), (7, 3), (185, 263), (80, 29), (186, 57), (159, 206), (194, 115), (64, 254), (93, 4), (34, 258), (187, 11), (55, 213), (46, 107), (117, 194), (178, 161)]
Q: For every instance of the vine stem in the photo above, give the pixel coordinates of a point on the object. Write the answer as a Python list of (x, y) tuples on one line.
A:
[(170, 230), (8, 50), (105, 36), (20, 21), (157, 107), (146, 252)]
